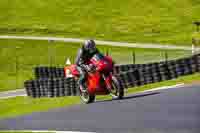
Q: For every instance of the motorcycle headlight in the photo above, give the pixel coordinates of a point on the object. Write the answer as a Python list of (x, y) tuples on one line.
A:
[(68, 73)]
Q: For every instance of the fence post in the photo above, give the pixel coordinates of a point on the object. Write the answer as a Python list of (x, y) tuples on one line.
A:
[(17, 65), (197, 23), (50, 53), (166, 56), (133, 56), (194, 41), (73, 59), (193, 49), (107, 51)]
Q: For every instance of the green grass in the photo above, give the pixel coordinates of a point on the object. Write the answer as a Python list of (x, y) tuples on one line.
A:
[(196, 35), (196, 38), (158, 21), (19, 57), (25, 105)]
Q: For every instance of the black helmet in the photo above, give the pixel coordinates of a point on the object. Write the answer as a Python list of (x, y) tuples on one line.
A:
[(90, 46)]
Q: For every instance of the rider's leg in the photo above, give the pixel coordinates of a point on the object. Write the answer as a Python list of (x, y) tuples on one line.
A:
[(82, 79)]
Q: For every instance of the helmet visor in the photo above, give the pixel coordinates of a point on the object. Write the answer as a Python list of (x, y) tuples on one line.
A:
[(92, 50)]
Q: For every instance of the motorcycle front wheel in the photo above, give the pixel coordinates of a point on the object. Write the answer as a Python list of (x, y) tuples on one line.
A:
[(86, 97), (117, 89)]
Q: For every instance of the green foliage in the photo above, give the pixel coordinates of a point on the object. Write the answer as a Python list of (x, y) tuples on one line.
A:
[(159, 21)]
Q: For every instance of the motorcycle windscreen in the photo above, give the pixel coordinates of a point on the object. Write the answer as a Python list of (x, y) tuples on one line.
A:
[(102, 62)]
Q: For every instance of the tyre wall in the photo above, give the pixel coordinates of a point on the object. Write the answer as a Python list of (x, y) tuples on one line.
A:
[(50, 81)]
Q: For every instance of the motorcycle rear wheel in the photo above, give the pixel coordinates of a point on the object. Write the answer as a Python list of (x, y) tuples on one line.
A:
[(117, 89), (86, 97)]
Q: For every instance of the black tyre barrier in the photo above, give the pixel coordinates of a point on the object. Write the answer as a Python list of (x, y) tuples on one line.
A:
[(54, 72), (197, 61), (48, 72), (50, 81), (56, 87), (29, 85)]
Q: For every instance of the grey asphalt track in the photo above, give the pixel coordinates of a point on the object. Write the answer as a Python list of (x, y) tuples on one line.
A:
[(176, 110)]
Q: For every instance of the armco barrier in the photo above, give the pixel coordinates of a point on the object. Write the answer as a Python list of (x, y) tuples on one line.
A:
[(50, 81)]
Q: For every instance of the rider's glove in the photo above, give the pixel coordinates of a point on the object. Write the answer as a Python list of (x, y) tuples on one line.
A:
[(90, 67)]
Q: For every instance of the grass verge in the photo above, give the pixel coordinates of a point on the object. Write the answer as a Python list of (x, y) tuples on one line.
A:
[(25, 105), (130, 20), (19, 57)]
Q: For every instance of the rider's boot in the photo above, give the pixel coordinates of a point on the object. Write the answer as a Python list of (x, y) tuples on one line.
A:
[(83, 88), (113, 96)]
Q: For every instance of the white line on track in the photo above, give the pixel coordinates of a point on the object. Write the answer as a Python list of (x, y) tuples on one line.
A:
[(21, 92), (163, 88), (99, 42), (44, 131)]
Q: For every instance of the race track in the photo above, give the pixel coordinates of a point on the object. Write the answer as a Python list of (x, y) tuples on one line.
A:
[(168, 111)]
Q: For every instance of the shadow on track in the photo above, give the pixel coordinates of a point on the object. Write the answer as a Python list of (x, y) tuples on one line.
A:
[(131, 97)]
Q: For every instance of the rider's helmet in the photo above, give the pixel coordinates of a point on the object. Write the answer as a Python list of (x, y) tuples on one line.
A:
[(89, 46)]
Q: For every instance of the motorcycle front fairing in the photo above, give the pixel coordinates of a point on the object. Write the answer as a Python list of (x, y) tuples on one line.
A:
[(102, 63), (96, 84), (100, 81), (71, 71)]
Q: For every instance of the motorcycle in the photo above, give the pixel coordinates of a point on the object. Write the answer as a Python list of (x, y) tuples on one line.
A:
[(99, 80)]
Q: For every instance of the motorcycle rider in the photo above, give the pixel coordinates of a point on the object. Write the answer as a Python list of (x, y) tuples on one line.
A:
[(85, 53)]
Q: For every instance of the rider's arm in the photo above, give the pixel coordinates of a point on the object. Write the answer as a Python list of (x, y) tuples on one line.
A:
[(81, 62), (79, 59)]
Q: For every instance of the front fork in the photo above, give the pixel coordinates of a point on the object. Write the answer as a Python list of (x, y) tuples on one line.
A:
[(108, 81)]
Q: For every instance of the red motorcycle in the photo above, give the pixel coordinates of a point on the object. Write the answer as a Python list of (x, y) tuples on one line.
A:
[(100, 79)]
